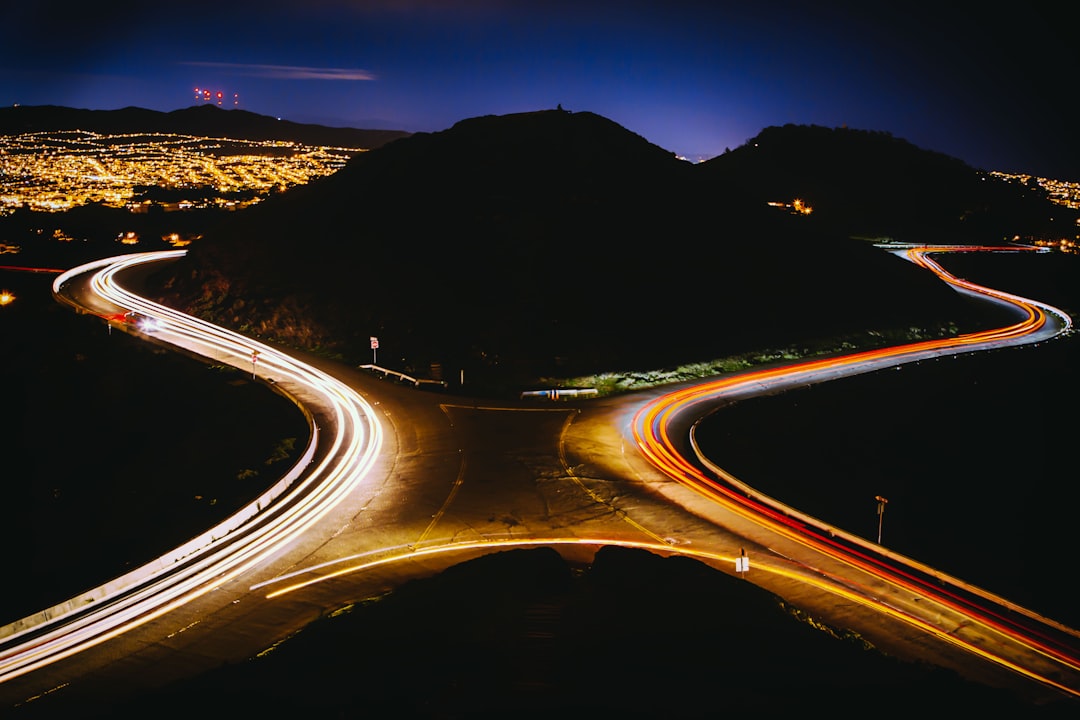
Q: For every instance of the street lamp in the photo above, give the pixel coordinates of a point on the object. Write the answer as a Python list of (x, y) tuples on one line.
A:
[(881, 503)]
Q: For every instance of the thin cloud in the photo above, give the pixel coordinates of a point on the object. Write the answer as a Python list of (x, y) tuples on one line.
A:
[(291, 72)]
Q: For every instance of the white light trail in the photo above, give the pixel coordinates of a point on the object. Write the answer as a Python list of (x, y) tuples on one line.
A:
[(244, 541)]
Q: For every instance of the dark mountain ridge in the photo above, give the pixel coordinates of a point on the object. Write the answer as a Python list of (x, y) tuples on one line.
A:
[(872, 184), (198, 120), (554, 244)]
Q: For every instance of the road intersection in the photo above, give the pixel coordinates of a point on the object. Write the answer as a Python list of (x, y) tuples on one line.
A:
[(399, 483)]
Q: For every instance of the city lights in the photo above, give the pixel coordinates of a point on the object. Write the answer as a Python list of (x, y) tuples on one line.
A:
[(58, 170)]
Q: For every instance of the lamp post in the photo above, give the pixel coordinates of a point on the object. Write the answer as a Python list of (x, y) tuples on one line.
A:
[(881, 503)]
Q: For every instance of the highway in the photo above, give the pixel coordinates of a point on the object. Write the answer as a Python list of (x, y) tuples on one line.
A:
[(398, 483)]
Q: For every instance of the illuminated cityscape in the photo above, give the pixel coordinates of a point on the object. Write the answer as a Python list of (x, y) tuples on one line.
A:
[(1059, 191), (58, 170)]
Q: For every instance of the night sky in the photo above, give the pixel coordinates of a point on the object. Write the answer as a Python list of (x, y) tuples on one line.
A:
[(994, 88)]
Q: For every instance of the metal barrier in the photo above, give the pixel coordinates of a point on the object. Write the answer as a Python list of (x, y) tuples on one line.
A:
[(556, 393), (402, 376)]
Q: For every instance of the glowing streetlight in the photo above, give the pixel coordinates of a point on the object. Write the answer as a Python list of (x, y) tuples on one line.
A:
[(881, 503), (6, 297)]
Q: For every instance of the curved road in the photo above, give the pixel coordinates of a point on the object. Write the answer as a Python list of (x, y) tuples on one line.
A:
[(985, 624), (399, 484)]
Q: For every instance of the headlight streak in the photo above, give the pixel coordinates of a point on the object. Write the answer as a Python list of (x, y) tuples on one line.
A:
[(651, 428), (237, 545)]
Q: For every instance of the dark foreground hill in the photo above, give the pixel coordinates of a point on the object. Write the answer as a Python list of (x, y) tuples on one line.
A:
[(524, 634), (555, 244), (199, 120)]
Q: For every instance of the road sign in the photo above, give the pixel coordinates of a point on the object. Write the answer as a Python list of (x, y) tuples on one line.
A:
[(374, 343)]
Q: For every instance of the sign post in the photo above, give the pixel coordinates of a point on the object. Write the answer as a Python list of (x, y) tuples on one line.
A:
[(374, 350), (881, 503), (254, 359)]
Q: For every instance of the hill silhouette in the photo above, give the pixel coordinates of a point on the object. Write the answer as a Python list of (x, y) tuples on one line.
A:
[(560, 634), (871, 184), (554, 244), (198, 120)]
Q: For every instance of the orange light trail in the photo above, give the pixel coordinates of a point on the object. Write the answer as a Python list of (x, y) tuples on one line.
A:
[(657, 433)]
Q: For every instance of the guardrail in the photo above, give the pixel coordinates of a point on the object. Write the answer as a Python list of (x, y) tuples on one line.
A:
[(556, 393), (402, 376)]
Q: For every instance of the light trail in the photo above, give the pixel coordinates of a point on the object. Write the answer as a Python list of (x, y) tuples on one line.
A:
[(655, 430), (312, 488)]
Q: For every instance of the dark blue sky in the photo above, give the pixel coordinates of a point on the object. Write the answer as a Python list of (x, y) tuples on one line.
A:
[(994, 88)]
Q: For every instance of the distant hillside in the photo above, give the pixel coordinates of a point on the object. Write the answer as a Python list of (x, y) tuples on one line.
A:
[(199, 120), (871, 184), (552, 244)]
